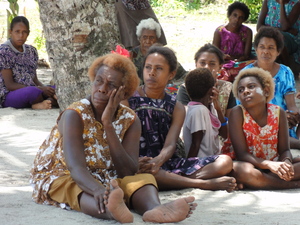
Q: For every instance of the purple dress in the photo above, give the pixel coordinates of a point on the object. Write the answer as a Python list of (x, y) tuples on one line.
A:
[(23, 66), (156, 118), (232, 43)]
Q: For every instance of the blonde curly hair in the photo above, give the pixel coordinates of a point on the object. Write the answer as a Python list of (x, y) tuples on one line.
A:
[(119, 63), (264, 77)]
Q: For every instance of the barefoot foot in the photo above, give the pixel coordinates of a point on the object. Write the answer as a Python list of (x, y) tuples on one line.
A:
[(171, 212), (46, 104), (220, 183), (115, 204)]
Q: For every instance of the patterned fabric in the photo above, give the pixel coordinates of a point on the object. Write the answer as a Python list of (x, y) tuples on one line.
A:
[(224, 88), (23, 65), (273, 19), (261, 141), (156, 119), (231, 69), (50, 163), (232, 43), (136, 4)]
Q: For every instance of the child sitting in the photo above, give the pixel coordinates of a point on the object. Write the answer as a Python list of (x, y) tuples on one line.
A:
[(259, 135), (204, 120)]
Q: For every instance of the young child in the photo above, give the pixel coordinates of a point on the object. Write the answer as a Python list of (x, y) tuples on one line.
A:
[(161, 119), (204, 120), (259, 135)]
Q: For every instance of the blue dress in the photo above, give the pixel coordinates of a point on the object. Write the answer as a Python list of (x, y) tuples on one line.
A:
[(284, 85), (156, 118)]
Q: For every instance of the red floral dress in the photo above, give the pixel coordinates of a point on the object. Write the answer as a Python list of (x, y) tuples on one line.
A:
[(261, 141)]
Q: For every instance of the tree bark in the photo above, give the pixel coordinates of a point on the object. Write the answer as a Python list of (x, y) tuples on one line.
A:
[(76, 31)]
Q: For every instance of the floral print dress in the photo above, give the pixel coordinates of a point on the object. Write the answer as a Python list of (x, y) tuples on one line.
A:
[(23, 65), (50, 163), (261, 141)]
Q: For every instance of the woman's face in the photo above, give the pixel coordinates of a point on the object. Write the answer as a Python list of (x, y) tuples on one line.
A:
[(106, 80), (210, 61), (250, 92), (157, 71), (19, 34), (266, 50), (147, 39), (236, 19)]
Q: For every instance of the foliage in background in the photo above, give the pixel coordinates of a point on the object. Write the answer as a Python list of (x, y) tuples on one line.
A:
[(254, 6), (12, 12)]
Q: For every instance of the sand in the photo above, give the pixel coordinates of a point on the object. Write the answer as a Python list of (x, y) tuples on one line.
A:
[(22, 131)]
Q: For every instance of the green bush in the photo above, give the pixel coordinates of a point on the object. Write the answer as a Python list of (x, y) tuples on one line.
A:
[(254, 6)]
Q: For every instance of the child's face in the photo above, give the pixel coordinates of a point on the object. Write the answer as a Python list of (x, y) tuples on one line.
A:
[(250, 91)]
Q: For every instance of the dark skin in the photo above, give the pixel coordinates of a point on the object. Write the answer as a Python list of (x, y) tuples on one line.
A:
[(211, 177), (283, 173), (211, 96), (286, 22), (236, 20), (19, 34), (267, 53), (96, 199)]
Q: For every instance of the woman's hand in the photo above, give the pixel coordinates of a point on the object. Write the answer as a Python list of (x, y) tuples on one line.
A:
[(293, 118), (47, 91), (215, 98), (101, 196), (116, 96), (284, 170), (148, 165)]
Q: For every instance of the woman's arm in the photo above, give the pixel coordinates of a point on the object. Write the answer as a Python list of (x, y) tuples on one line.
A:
[(172, 137), (9, 82), (48, 91), (70, 127), (125, 154), (262, 15), (248, 46), (288, 21), (293, 115), (217, 38)]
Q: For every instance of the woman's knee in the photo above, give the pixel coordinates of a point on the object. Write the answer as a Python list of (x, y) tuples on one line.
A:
[(225, 162)]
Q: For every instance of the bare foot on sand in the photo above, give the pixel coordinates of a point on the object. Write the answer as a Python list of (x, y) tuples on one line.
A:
[(171, 212), (115, 204), (221, 183), (46, 104)]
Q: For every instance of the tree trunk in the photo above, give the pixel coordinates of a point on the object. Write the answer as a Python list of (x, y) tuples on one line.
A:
[(76, 31)]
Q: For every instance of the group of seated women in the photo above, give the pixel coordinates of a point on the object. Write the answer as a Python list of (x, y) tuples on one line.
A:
[(122, 142), (112, 151)]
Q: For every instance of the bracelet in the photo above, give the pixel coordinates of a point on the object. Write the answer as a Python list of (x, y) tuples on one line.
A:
[(287, 158), (225, 123)]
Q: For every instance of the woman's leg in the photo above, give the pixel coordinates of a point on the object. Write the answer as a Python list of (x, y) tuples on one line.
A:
[(246, 174), (146, 202), (26, 97), (115, 206)]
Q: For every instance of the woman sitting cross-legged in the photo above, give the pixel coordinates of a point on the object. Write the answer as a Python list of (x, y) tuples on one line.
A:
[(90, 160), (259, 136), (162, 118)]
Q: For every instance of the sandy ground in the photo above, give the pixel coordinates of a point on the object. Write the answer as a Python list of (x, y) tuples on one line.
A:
[(23, 131)]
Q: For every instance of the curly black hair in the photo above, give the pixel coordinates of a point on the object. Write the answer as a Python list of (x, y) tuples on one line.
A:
[(211, 49), (166, 52), (241, 6), (198, 82), (269, 32)]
